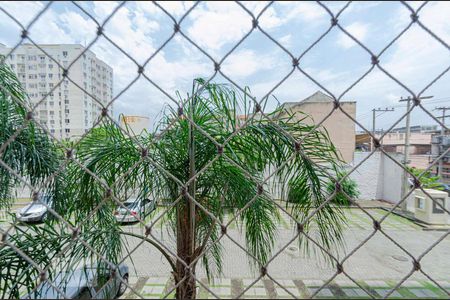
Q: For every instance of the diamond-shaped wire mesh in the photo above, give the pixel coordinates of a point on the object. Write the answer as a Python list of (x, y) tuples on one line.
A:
[(74, 235)]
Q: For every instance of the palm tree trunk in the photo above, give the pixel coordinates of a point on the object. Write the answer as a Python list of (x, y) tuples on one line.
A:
[(186, 227), (185, 238)]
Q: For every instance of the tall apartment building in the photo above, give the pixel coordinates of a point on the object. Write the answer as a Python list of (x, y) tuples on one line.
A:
[(67, 112)]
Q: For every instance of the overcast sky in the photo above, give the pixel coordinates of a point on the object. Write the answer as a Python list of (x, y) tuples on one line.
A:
[(336, 62)]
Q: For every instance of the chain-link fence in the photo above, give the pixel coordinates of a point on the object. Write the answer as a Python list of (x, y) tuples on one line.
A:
[(194, 211)]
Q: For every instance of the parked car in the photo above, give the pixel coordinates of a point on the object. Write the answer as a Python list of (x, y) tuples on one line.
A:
[(136, 208), (35, 211), (83, 283), (446, 188)]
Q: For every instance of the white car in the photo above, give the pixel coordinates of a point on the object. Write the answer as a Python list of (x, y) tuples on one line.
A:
[(35, 211), (136, 208)]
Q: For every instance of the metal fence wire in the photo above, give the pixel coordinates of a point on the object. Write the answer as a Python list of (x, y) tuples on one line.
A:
[(148, 234)]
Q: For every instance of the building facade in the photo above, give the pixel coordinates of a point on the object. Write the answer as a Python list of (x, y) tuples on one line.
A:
[(134, 125), (67, 111), (340, 127)]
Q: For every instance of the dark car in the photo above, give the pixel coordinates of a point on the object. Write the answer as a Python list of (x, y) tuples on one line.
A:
[(83, 283), (445, 188)]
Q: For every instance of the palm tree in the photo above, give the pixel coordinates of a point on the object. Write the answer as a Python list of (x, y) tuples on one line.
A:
[(186, 165), (27, 151), (203, 162), (24, 147)]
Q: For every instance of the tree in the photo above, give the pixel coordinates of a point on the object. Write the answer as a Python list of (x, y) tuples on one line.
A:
[(28, 151), (186, 163), (349, 188), (205, 169), (25, 148)]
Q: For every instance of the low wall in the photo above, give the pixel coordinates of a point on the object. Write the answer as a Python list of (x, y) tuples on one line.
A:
[(379, 177)]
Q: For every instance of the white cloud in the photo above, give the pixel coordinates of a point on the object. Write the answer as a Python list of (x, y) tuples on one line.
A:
[(16, 9), (216, 24), (244, 63), (286, 40), (306, 11), (414, 59), (358, 30)]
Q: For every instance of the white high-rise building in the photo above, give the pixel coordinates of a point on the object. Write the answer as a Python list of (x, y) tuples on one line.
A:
[(68, 112)]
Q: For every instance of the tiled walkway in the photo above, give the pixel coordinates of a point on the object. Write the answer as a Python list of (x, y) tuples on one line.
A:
[(154, 287)]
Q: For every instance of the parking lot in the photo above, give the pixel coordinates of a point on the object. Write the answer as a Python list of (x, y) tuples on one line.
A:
[(378, 265)]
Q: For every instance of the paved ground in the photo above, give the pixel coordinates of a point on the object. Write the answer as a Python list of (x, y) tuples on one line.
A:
[(377, 266), (159, 287)]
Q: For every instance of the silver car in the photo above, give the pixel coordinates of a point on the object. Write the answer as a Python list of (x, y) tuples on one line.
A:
[(35, 211), (135, 208), (83, 283)]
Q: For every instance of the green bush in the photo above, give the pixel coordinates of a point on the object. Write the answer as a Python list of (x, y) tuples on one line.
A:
[(348, 186), (427, 180)]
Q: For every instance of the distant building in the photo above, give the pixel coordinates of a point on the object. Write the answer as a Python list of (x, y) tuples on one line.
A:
[(439, 145), (340, 127), (67, 112), (417, 128), (419, 147), (134, 125), (420, 140)]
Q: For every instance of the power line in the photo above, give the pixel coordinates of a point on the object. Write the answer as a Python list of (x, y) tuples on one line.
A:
[(437, 100), (374, 111), (367, 115), (406, 148)]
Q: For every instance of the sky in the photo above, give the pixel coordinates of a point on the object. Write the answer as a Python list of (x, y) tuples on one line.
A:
[(336, 62)]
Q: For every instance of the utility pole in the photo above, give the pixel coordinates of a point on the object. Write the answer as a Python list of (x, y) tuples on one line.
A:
[(406, 147), (444, 110), (374, 111)]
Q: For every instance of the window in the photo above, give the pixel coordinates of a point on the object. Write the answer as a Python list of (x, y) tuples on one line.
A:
[(67, 130), (52, 121), (67, 121), (52, 130), (420, 202), (52, 112), (66, 111), (436, 208), (50, 85), (66, 101), (52, 103), (50, 66), (13, 66), (64, 53)]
